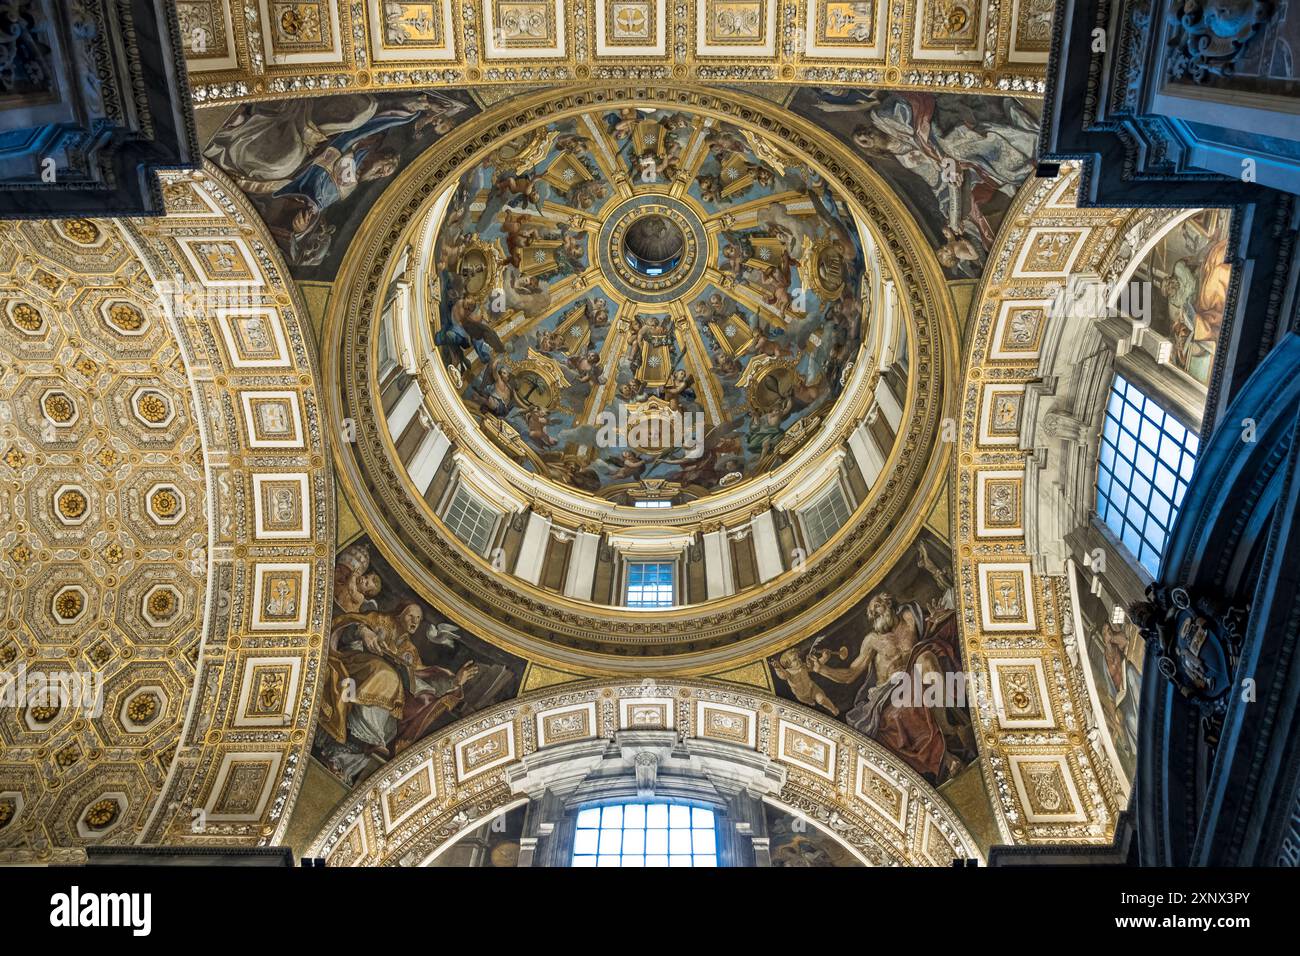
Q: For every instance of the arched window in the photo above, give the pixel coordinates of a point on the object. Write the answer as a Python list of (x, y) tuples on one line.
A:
[(639, 834), (1144, 465)]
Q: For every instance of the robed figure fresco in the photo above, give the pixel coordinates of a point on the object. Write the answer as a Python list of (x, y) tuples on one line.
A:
[(957, 161), (396, 669), (297, 160), (1192, 275), (904, 641), (397, 697), (891, 667)]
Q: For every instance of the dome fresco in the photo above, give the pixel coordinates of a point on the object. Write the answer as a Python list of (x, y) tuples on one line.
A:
[(636, 299), (548, 326)]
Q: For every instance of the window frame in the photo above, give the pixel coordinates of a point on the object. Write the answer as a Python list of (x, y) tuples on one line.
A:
[(720, 854), (462, 488), (669, 561), (836, 486), (1130, 437)]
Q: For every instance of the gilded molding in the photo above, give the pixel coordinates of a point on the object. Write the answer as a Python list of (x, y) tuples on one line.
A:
[(257, 49), (456, 779)]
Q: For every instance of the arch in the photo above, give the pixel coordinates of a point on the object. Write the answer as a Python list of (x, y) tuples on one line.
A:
[(813, 766), (1050, 773), (1235, 476), (1226, 543)]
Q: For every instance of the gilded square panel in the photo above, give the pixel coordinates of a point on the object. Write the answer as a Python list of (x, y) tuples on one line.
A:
[(281, 505), (221, 261), (302, 31), (630, 27), (523, 29), (485, 751), (1020, 693), (1046, 789), (408, 794), (733, 725), (1031, 31), (564, 725), (805, 749), (272, 419), (645, 713), (1000, 414), (253, 337), (207, 34), (243, 785), (1049, 252), (999, 510), (187, 199), (353, 846), (735, 28), (1066, 193), (845, 28), (281, 593), (411, 30), (883, 793), (268, 692), (1007, 597), (935, 846), (1018, 330), (949, 30)]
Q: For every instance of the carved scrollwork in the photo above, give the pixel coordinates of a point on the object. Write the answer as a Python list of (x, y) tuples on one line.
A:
[(1197, 642), (1208, 38), (647, 769)]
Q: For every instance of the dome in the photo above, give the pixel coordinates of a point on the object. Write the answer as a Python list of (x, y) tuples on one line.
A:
[(647, 303), (604, 335)]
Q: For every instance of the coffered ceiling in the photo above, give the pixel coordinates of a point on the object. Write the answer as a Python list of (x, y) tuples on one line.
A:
[(265, 48), (164, 492)]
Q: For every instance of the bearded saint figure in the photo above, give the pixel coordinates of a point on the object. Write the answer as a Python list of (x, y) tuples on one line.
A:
[(906, 645), (394, 696)]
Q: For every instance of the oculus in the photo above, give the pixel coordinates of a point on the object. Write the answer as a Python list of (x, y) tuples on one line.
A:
[(653, 245)]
